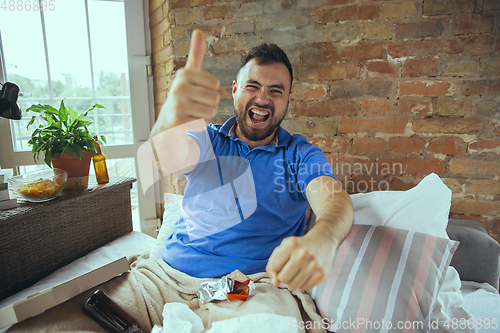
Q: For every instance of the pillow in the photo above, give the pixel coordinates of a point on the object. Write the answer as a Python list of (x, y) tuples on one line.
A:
[(171, 215), (424, 208), (383, 277)]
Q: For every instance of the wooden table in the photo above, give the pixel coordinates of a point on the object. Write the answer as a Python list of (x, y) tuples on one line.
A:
[(38, 238)]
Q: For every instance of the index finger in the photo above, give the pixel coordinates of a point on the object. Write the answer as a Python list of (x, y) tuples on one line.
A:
[(274, 278), (277, 261), (196, 50)]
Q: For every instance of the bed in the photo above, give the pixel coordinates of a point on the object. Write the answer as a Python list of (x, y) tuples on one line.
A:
[(457, 291)]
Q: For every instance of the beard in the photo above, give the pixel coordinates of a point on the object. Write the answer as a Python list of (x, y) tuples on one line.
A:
[(257, 134)]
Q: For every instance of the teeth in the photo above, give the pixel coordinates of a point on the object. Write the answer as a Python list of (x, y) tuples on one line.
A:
[(260, 113)]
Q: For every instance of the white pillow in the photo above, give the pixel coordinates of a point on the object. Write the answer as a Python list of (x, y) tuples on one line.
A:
[(424, 208), (171, 215)]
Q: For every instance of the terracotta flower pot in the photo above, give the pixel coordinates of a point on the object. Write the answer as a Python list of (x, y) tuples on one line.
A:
[(75, 166)]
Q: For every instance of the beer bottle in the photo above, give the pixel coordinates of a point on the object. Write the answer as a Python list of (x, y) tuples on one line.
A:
[(101, 172)]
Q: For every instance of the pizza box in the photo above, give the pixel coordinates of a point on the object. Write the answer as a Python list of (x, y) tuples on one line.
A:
[(13, 311)]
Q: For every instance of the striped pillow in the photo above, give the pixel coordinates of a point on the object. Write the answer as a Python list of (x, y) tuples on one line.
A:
[(383, 280)]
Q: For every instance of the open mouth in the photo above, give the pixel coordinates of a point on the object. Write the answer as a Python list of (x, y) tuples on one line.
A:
[(258, 116)]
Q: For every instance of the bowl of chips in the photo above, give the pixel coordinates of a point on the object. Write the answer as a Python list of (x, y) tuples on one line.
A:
[(39, 186)]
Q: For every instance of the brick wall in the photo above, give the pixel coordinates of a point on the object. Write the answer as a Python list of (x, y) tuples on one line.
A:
[(390, 90)]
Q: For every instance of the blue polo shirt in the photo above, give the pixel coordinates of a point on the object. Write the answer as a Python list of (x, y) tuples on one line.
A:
[(240, 203)]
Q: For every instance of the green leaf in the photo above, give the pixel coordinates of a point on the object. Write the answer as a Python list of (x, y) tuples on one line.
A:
[(51, 119), (75, 125), (39, 108), (70, 150), (47, 160), (50, 129), (62, 108), (31, 122), (79, 150), (73, 116), (93, 107), (92, 146)]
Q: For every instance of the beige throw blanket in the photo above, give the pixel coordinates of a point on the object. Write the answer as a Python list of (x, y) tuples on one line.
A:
[(150, 284)]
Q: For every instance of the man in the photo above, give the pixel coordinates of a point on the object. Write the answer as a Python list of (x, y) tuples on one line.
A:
[(287, 174), (249, 184)]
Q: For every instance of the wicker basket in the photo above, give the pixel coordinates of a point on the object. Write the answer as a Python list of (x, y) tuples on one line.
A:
[(38, 238)]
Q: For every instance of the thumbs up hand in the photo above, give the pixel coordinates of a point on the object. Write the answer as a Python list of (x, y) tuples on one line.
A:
[(193, 94)]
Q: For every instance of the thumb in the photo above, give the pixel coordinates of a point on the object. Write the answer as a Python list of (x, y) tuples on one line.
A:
[(197, 50)]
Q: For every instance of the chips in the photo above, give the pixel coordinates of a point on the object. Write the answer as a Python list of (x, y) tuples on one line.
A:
[(40, 188)]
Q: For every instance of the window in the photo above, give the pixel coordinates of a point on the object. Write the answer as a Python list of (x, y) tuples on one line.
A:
[(84, 64), (82, 51)]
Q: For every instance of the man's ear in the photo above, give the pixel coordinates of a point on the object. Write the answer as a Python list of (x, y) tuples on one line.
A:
[(235, 84)]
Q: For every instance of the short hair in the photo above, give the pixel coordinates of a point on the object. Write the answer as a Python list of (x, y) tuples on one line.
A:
[(266, 54)]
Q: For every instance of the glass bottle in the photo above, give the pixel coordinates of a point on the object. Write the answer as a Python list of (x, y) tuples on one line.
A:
[(101, 171)]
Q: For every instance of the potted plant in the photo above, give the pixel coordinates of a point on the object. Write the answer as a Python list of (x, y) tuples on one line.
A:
[(64, 138)]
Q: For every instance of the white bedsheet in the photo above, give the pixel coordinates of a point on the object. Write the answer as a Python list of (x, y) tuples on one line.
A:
[(483, 302), (465, 307), (448, 308), (179, 318)]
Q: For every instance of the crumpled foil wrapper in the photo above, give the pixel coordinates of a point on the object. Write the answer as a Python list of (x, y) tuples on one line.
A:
[(215, 290), (251, 287), (218, 290)]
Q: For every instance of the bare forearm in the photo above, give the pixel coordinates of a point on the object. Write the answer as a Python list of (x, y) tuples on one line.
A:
[(303, 262), (156, 130), (174, 151), (334, 218)]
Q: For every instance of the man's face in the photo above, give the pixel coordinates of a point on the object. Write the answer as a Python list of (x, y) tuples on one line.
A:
[(261, 95)]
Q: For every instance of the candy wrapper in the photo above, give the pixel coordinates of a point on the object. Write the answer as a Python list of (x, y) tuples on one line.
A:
[(215, 290), (235, 286)]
